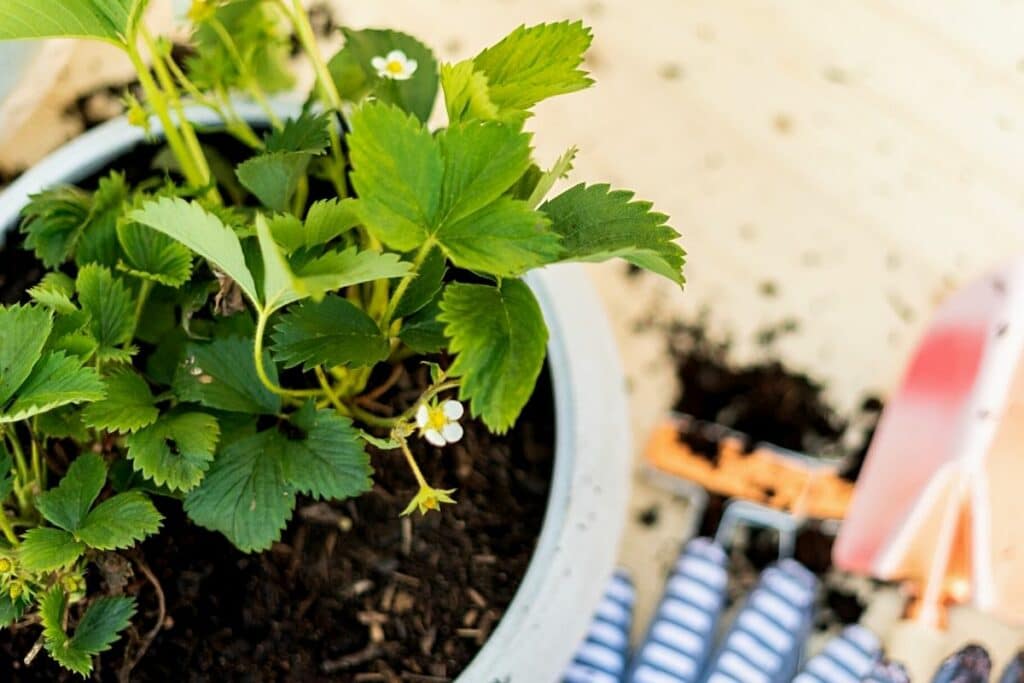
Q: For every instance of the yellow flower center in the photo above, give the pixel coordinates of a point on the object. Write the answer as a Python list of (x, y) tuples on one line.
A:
[(436, 418), (430, 502), (395, 67), (5, 565)]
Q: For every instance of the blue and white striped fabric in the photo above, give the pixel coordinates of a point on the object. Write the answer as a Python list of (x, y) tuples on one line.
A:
[(604, 653), (1014, 671), (887, 671), (847, 658), (765, 642), (682, 635)]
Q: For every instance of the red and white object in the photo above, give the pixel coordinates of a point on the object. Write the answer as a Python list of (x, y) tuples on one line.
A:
[(938, 501)]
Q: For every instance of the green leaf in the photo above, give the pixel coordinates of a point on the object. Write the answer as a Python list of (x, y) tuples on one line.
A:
[(423, 332), (246, 495), (119, 522), (330, 461), (127, 407), (280, 286), (97, 241), (287, 231), (500, 336), (110, 20), (354, 74), (532, 64), (23, 332), (52, 222), (63, 423), (54, 291), (10, 610), (273, 177), (466, 93), (327, 219), (482, 160), (597, 223), (177, 450), (548, 179), (67, 503), (422, 290), (222, 375), (154, 256), (306, 133), (504, 238), (330, 332), (203, 233), (45, 549), (337, 269), (56, 380), (397, 174), (6, 474), (103, 620), (110, 306)]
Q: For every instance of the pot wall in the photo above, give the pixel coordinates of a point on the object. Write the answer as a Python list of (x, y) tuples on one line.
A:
[(586, 513)]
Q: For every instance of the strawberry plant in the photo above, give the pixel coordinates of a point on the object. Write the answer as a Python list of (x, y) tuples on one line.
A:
[(206, 337)]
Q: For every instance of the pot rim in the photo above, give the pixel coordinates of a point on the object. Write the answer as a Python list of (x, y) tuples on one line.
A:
[(577, 547)]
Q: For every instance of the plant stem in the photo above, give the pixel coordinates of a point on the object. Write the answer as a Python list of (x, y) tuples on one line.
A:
[(403, 285), (412, 463), (250, 81), (145, 287), (7, 529), (261, 370), (325, 384), (155, 97), (369, 418)]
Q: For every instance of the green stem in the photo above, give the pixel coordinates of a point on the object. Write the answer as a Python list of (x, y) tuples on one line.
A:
[(332, 396), (369, 418), (145, 287), (251, 83), (261, 370), (403, 285), (7, 529), (412, 463), (156, 98)]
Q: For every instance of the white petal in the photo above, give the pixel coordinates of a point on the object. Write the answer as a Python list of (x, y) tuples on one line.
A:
[(379, 63), (453, 410), (422, 415), (396, 56), (404, 76), (434, 437), (410, 66), (452, 432)]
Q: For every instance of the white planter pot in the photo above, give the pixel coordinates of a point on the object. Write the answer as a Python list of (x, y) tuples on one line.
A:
[(586, 511)]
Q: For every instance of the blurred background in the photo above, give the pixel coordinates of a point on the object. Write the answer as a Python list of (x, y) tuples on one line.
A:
[(835, 169)]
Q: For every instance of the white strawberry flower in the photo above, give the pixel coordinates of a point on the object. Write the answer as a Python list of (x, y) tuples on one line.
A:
[(395, 66), (439, 422)]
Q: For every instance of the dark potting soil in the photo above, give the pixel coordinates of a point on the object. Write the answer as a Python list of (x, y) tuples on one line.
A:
[(352, 592)]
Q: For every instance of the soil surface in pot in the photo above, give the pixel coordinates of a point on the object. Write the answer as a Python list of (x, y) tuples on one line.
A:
[(352, 593)]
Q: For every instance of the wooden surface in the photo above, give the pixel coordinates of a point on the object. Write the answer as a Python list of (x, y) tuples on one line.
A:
[(842, 165)]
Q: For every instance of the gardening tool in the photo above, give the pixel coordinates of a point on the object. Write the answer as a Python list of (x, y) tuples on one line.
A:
[(970, 664), (935, 502), (681, 637), (847, 658), (604, 653)]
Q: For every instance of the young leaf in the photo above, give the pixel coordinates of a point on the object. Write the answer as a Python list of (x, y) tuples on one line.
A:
[(353, 71), (500, 336), (54, 291), (127, 407), (305, 133), (397, 171), (466, 93), (287, 231), (10, 610), (23, 332), (597, 223), (52, 222), (103, 620), (337, 269), (532, 64), (425, 286), (45, 549), (246, 495), (505, 238), (423, 332), (176, 451), (97, 240), (481, 161), (67, 503), (154, 256), (222, 375), (119, 522), (273, 177), (330, 332), (203, 233), (109, 20), (280, 286), (330, 461), (327, 219), (548, 179), (110, 307), (56, 380)]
